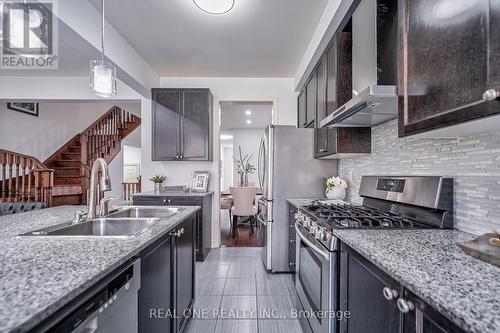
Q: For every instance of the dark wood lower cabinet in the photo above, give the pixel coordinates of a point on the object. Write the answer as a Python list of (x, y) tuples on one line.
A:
[(379, 304), (203, 217), (185, 272), (155, 295), (424, 319), (361, 293), (167, 281)]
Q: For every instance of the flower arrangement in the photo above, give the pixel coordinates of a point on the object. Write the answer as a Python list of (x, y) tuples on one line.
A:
[(335, 188), (243, 165), (158, 179), (158, 183), (335, 182)]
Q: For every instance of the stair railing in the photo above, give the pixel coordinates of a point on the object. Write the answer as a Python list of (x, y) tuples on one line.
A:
[(24, 178), (130, 188), (100, 138)]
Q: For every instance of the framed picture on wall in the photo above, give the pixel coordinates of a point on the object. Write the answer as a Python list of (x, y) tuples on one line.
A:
[(200, 181), (28, 108)]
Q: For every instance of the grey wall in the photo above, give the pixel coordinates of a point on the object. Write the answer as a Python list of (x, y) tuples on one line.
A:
[(473, 162)]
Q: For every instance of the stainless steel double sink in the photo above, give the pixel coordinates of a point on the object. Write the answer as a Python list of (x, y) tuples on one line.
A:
[(124, 223)]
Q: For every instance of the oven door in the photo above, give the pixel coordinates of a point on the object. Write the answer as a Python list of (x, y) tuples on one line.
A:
[(316, 281)]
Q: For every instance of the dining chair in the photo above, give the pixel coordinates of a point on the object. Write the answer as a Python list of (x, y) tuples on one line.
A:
[(226, 202), (243, 206)]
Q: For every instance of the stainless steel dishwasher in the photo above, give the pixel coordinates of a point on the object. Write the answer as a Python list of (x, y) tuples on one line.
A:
[(113, 307)]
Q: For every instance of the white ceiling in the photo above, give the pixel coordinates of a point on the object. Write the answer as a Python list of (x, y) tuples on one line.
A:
[(258, 38), (233, 115)]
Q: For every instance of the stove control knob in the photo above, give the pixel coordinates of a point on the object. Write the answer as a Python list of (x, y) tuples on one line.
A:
[(318, 233), (312, 227), (324, 235), (306, 222)]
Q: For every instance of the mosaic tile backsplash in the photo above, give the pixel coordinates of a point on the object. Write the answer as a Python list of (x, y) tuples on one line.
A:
[(473, 162)]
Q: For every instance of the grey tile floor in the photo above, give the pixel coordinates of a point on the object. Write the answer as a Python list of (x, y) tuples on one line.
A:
[(234, 293)]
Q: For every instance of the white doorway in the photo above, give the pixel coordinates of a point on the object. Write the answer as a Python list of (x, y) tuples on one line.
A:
[(242, 125)]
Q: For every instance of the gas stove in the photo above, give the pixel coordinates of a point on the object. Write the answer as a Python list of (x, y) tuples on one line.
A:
[(403, 203)]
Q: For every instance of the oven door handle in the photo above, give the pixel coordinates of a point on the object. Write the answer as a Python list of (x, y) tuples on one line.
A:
[(309, 243)]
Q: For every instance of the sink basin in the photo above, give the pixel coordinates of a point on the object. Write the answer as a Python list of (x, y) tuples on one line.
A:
[(126, 222), (101, 227), (145, 212)]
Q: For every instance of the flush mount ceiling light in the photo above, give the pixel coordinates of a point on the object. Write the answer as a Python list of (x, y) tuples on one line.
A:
[(248, 112), (102, 74), (215, 7), (249, 121)]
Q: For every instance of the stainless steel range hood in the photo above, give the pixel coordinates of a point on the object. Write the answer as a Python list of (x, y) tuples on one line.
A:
[(374, 67), (372, 106)]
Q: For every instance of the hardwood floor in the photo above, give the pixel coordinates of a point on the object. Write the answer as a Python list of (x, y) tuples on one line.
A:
[(243, 237)]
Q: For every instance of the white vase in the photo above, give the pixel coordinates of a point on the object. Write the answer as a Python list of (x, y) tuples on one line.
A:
[(336, 193)]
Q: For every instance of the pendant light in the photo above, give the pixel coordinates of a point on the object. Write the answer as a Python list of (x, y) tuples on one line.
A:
[(102, 73), (215, 7)]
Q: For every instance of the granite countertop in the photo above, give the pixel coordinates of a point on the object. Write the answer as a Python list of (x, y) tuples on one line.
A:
[(39, 275), (299, 202), (432, 266), (174, 193)]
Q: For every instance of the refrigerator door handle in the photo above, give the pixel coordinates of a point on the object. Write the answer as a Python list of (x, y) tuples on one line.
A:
[(261, 220), (260, 163)]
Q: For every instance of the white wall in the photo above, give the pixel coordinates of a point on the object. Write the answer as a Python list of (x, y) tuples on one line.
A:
[(226, 156), (85, 20), (56, 124), (249, 140)]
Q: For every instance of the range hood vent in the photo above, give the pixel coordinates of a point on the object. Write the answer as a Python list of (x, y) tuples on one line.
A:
[(374, 67), (372, 106)]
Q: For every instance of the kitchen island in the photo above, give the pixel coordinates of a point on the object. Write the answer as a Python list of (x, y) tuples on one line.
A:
[(429, 264), (40, 275)]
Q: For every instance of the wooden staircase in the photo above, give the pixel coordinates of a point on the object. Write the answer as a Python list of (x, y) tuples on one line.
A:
[(24, 178), (73, 161)]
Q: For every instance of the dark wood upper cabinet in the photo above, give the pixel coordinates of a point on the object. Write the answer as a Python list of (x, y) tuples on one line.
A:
[(448, 58), (321, 75), (342, 142), (182, 124), (302, 109), (339, 71), (311, 100)]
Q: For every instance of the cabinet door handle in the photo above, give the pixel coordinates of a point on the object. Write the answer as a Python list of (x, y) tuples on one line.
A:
[(389, 293), (491, 94), (291, 264), (405, 306), (182, 157), (292, 226), (164, 200), (322, 150), (292, 241), (177, 156)]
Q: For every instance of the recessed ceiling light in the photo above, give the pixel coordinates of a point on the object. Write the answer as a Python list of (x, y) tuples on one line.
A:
[(215, 7), (248, 112), (249, 121)]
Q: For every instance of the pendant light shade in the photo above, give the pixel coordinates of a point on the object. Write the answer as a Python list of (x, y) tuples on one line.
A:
[(102, 74), (215, 7), (102, 78)]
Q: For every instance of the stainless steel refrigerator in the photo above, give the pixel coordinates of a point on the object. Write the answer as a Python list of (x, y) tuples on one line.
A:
[(286, 168)]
